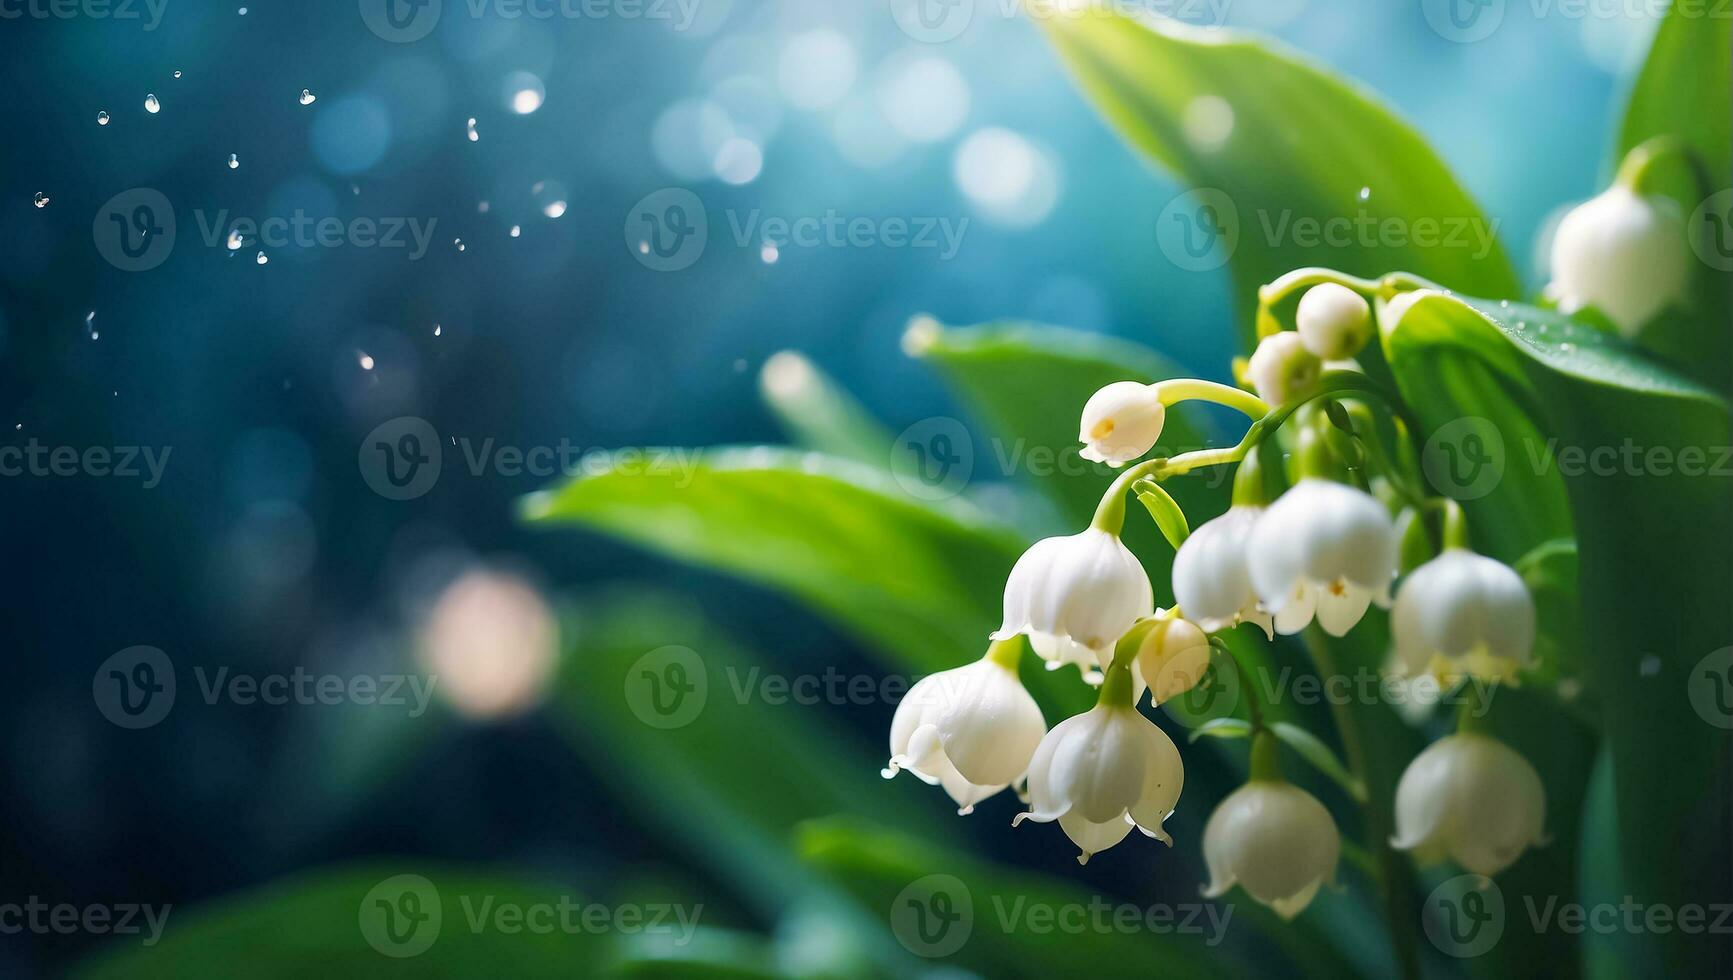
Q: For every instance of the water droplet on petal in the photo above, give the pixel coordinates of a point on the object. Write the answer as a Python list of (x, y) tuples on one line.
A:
[(151, 105), (307, 97), (41, 200), (102, 118)]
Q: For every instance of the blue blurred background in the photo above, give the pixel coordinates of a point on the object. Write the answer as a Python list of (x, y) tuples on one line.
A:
[(530, 321)]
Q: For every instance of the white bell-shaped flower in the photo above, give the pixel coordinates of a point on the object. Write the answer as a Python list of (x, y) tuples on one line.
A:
[(1121, 422), (1473, 798), (1463, 613), (1322, 548), (1075, 596), (1333, 321), (1172, 657), (972, 729), (1211, 582), (1282, 367), (1273, 839), (1105, 771), (1623, 253)]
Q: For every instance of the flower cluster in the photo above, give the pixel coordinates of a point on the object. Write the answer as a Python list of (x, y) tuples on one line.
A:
[(1311, 537)]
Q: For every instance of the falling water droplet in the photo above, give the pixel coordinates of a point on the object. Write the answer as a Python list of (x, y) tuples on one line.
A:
[(482, 207), (769, 253), (235, 240), (234, 162), (307, 97), (366, 361), (516, 230), (474, 136), (102, 118), (459, 243), (177, 73), (437, 330), (151, 105), (41, 200), (1365, 193), (90, 325), (550, 197), (263, 258)]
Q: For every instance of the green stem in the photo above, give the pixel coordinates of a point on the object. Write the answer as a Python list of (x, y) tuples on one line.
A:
[(1300, 279), (1266, 762), (1006, 653), (1249, 489), (1455, 524), (1192, 389), (1635, 169), (1471, 713)]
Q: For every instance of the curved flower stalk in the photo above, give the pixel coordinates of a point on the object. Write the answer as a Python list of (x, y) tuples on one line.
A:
[(1271, 838), (1323, 549), (1103, 772), (1463, 614), (971, 729), (1075, 596), (1472, 798), (1211, 579)]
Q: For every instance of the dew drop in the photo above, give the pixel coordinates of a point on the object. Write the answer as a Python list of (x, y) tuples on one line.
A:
[(1365, 193), (40, 200), (262, 258), (234, 162), (307, 97), (102, 118), (151, 105)]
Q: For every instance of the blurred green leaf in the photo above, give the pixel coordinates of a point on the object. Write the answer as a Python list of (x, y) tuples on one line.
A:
[(817, 413), (1311, 748), (1222, 728), (317, 924), (1654, 575), (1302, 145)]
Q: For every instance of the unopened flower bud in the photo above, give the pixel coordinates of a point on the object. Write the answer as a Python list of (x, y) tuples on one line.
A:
[(1333, 321)]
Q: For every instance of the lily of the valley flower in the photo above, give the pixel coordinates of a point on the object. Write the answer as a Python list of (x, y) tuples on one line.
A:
[(1623, 253), (1463, 613), (1473, 798), (1210, 577), (1121, 422), (1282, 367), (1273, 839), (1172, 657), (1105, 771), (971, 729), (1075, 596), (1333, 321), (1322, 548)]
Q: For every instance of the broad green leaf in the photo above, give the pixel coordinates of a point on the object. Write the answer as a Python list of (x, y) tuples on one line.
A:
[(819, 414), (318, 924), (1635, 443), (1303, 144), (922, 581)]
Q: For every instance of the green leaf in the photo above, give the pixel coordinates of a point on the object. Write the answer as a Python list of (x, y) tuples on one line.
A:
[(312, 924), (819, 414), (922, 581), (1684, 87), (1028, 383), (1222, 728), (1303, 144), (1166, 512), (1313, 750), (1655, 572)]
